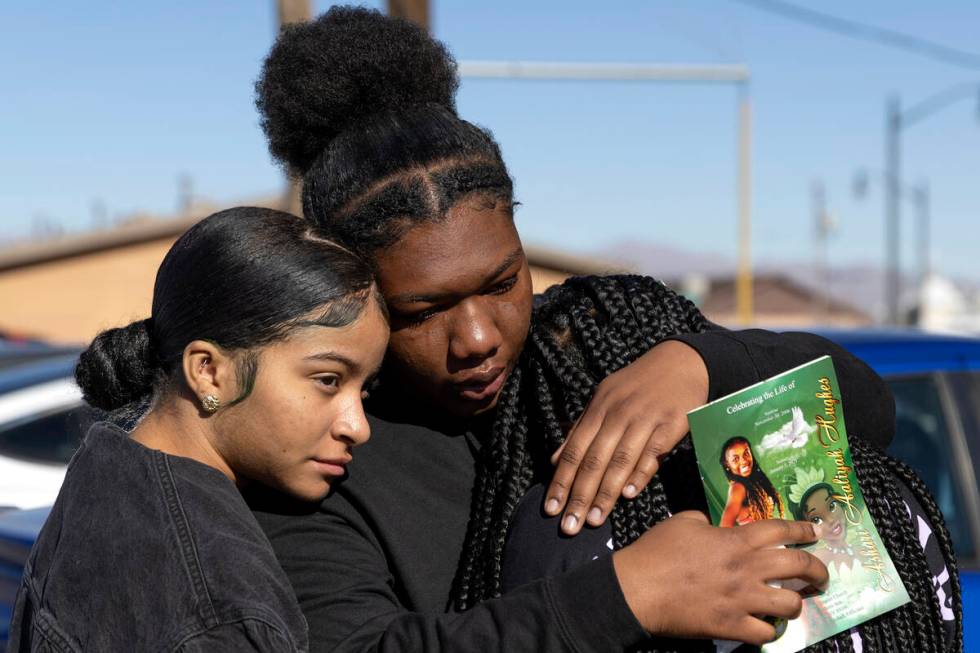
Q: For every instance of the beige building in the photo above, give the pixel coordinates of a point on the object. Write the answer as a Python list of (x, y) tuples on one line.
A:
[(69, 289)]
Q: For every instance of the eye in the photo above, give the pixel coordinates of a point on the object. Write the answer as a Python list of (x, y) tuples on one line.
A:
[(833, 506), (816, 520), (414, 319), (503, 286), (329, 382)]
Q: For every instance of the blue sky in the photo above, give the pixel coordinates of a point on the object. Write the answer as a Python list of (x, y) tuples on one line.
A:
[(111, 101)]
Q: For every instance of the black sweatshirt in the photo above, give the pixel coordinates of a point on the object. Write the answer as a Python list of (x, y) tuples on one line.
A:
[(373, 565)]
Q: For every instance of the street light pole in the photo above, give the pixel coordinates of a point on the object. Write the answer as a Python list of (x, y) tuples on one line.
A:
[(895, 121), (920, 196), (893, 128)]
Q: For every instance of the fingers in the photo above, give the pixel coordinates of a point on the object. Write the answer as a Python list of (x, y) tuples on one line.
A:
[(581, 503), (661, 442), (754, 631), (780, 564), (777, 532), (570, 456), (621, 466)]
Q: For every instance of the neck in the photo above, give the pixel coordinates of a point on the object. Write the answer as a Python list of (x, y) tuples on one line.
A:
[(175, 428)]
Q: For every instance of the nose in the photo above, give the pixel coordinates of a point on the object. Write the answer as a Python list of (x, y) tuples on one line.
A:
[(475, 335), (351, 426)]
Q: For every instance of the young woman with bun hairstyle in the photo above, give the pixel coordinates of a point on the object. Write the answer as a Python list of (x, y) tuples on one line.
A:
[(250, 371), (361, 109)]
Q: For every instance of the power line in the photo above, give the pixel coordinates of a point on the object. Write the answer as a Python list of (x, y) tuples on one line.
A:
[(865, 32)]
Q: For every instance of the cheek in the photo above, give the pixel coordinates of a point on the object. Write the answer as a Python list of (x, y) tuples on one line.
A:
[(421, 348)]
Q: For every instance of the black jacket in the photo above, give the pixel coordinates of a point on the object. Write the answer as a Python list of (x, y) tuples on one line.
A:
[(374, 564), (144, 551)]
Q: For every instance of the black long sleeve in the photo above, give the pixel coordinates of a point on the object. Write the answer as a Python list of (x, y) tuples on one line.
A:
[(373, 565), (736, 359)]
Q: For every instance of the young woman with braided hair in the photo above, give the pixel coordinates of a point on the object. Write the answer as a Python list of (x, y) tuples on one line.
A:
[(589, 328), (361, 108)]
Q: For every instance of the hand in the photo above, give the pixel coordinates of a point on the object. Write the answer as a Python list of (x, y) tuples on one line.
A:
[(686, 578), (636, 415)]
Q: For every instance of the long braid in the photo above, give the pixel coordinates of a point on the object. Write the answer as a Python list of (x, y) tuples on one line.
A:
[(585, 330)]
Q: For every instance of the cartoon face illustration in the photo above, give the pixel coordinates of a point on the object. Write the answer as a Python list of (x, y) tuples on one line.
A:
[(821, 507)]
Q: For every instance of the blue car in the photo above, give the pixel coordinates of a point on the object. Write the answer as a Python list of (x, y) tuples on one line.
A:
[(936, 383)]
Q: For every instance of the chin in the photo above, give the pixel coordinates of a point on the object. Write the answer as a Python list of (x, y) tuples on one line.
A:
[(307, 492)]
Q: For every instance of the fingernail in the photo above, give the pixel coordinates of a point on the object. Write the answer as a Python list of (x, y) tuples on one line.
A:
[(552, 506), (595, 516), (569, 524), (629, 491), (818, 531)]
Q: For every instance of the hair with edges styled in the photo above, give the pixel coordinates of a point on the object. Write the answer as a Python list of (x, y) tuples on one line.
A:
[(361, 107), (588, 328), (241, 278)]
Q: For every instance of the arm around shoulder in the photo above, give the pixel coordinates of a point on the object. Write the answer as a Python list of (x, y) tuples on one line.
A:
[(736, 359)]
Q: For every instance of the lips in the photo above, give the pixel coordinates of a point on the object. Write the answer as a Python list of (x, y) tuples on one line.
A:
[(481, 385), (335, 467)]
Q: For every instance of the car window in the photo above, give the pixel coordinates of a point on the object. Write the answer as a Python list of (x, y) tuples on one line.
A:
[(966, 391), (49, 438), (922, 441)]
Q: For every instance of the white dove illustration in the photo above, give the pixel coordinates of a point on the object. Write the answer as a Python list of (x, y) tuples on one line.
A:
[(793, 433)]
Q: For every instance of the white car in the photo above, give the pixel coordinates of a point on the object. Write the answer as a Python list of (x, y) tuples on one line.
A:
[(42, 418)]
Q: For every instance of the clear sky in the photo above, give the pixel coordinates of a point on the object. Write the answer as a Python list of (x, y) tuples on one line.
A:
[(110, 101)]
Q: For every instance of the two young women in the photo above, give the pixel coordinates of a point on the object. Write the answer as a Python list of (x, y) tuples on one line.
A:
[(261, 340), (361, 108)]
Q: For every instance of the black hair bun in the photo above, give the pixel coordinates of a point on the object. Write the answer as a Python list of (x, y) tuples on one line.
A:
[(119, 367), (350, 63)]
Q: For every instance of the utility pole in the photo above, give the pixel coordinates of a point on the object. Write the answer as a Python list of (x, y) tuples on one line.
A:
[(893, 128), (743, 283), (821, 232), (920, 195), (896, 120), (416, 11), (736, 75), (288, 12)]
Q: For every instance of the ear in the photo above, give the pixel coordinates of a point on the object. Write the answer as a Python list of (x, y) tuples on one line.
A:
[(208, 370)]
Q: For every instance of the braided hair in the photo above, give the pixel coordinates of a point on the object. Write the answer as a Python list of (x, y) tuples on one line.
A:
[(588, 328), (361, 107)]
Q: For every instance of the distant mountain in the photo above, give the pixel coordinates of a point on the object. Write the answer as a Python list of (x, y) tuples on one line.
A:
[(860, 285)]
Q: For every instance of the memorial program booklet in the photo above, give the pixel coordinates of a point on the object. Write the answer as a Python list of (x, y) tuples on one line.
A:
[(778, 450)]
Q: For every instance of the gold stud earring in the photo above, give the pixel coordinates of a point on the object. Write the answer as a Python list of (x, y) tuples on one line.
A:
[(210, 403)]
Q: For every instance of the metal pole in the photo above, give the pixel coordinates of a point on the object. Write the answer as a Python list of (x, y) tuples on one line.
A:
[(893, 127), (743, 287), (287, 12), (924, 228), (416, 11), (735, 74), (818, 207)]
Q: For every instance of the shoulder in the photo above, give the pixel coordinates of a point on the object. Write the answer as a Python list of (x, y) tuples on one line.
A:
[(736, 491)]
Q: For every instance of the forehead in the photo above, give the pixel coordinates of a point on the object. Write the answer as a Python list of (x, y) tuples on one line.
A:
[(361, 340), (737, 448), (818, 497), (449, 256)]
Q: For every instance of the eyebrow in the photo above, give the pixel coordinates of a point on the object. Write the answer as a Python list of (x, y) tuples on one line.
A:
[(410, 298), (332, 356)]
